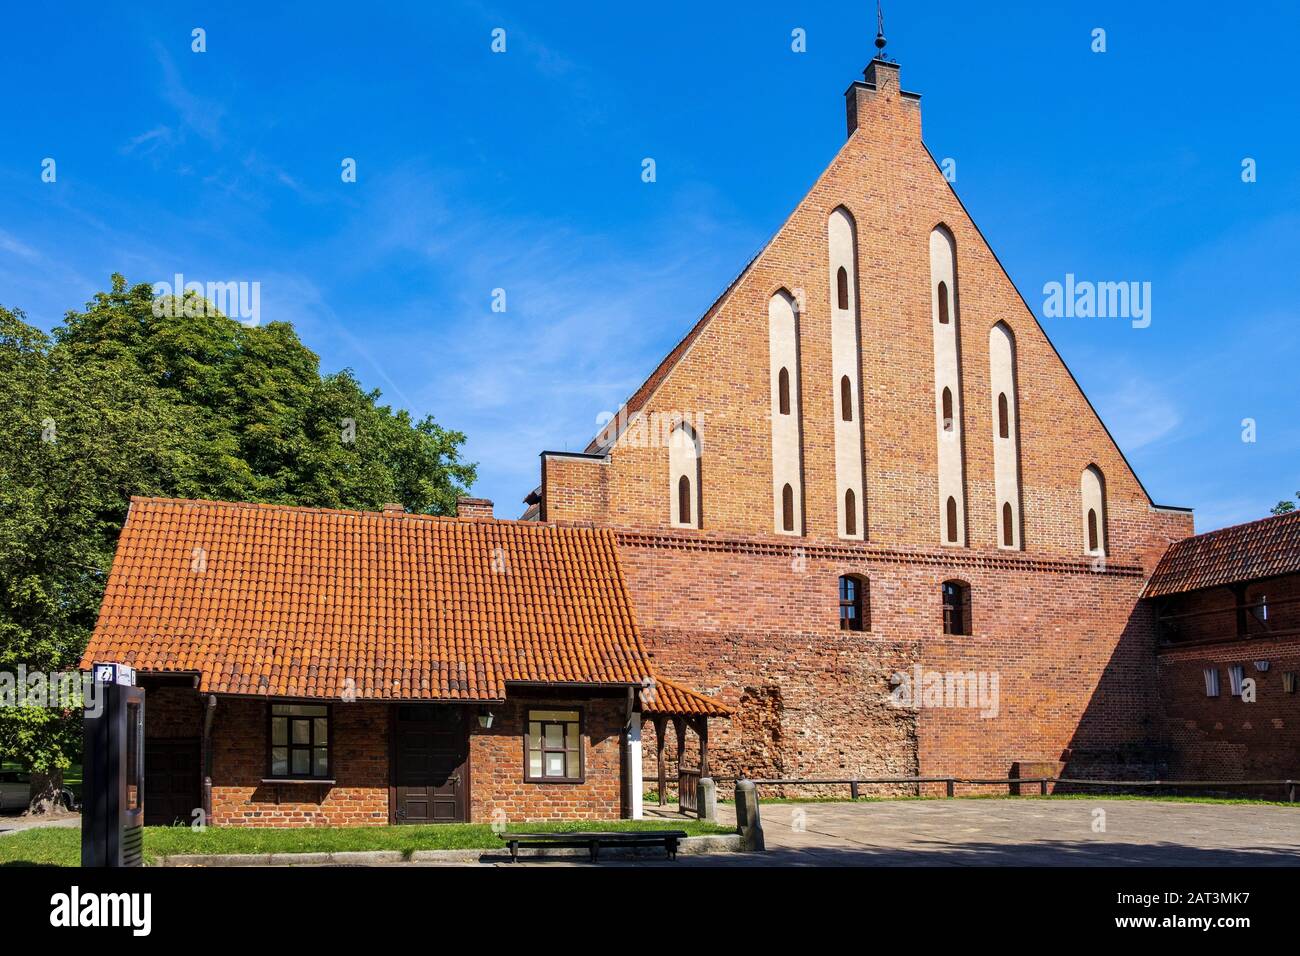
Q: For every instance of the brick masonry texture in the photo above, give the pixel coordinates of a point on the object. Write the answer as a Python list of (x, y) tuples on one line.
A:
[(498, 788), (360, 764), (738, 612), (1226, 737)]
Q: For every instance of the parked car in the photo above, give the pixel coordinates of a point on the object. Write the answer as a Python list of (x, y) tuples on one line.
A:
[(15, 789)]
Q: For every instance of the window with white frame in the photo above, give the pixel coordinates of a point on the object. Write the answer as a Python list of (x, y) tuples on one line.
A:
[(554, 746)]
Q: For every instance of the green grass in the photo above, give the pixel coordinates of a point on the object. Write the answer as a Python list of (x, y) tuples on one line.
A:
[(62, 847)]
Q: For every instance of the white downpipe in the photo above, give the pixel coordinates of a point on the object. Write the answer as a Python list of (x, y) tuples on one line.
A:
[(635, 782)]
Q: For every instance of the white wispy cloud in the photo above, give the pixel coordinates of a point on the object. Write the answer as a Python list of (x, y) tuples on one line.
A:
[(1138, 411)]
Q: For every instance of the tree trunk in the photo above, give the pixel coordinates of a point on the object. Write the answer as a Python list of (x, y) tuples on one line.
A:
[(45, 792)]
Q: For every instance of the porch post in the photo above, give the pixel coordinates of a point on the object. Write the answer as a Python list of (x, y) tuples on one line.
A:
[(702, 730), (659, 754), (205, 758), (679, 725)]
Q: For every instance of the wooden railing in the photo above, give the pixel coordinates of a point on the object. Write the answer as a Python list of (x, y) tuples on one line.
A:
[(1288, 787), (688, 791)]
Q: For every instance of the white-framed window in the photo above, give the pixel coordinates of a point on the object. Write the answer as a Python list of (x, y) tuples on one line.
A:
[(553, 746)]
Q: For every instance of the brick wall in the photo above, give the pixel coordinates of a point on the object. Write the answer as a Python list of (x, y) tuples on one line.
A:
[(757, 627), (498, 788), (1225, 737), (360, 764), (172, 712)]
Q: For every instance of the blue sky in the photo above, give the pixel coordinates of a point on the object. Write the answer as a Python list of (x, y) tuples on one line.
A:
[(521, 171)]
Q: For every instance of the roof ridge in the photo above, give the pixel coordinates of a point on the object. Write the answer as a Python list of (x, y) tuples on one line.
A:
[(351, 512), (1238, 527)]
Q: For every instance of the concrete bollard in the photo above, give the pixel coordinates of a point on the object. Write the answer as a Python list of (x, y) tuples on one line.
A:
[(748, 824), (708, 799)]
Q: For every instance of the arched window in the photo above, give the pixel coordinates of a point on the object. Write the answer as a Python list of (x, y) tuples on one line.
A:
[(787, 508), (947, 409), (684, 462), (952, 519), (1008, 532), (943, 303), (855, 604), (1092, 492), (842, 287), (846, 399), (956, 607), (1004, 416), (783, 391), (850, 512)]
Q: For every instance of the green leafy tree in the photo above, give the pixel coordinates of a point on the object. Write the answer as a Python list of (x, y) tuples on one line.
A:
[(123, 401), (1285, 506)]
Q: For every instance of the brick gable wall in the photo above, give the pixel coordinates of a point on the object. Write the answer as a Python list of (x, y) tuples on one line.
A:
[(1073, 649)]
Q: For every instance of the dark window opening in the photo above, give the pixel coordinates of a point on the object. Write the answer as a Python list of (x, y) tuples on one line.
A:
[(300, 741), (783, 391), (787, 508), (850, 512), (684, 500), (956, 608), (842, 288), (943, 303), (846, 399), (855, 604), (1008, 532), (952, 519), (947, 409), (1004, 417), (1093, 543)]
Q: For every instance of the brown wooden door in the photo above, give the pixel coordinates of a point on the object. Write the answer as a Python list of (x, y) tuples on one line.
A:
[(431, 764), (171, 781)]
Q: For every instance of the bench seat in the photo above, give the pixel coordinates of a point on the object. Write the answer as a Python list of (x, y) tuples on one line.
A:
[(593, 841)]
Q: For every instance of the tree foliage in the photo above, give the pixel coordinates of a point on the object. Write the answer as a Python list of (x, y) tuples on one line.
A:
[(121, 401)]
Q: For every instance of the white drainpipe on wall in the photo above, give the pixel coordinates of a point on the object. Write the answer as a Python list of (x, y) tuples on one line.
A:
[(635, 783)]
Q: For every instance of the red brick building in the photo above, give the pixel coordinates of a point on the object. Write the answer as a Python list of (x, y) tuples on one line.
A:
[(863, 505), (1228, 617), (866, 458), (306, 666)]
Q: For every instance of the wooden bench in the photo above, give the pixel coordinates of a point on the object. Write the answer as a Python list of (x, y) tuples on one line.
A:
[(668, 839)]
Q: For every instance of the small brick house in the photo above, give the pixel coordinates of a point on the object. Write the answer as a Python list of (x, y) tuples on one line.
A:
[(306, 666)]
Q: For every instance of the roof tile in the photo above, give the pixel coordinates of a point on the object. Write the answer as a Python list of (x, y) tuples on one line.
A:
[(305, 602), (1244, 552)]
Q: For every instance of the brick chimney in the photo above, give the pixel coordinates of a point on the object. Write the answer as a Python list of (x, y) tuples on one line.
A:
[(394, 508), (878, 102), (474, 508)]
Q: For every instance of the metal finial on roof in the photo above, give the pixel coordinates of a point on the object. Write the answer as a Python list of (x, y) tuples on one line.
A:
[(880, 31)]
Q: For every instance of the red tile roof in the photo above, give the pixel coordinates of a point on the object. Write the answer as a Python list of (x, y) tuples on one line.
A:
[(670, 698), (297, 602), (1244, 552)]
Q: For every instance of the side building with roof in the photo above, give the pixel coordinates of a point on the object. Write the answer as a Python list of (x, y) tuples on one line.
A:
[(308, 667)]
